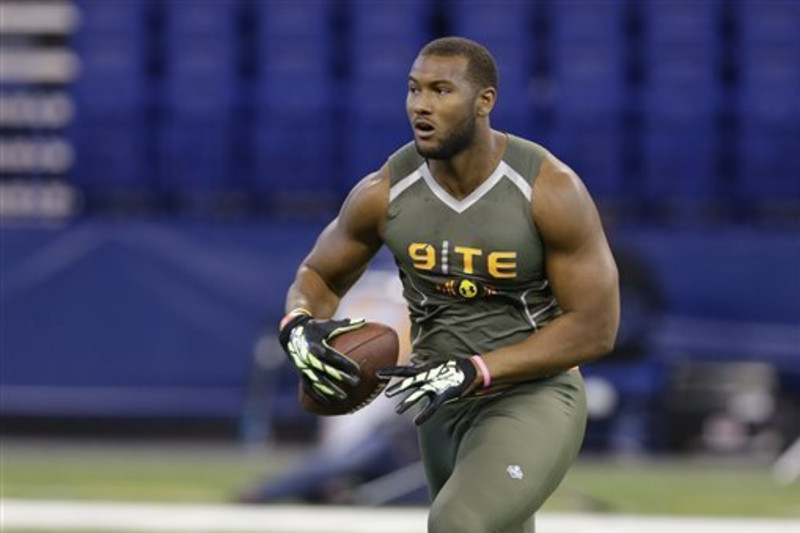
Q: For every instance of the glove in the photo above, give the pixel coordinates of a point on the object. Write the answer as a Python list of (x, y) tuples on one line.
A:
[(322, 369), (438, 382)]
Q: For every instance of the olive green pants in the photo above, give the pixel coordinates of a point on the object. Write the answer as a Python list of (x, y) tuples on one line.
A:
[(492, 462)]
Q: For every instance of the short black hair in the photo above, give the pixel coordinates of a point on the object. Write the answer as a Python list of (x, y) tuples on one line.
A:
[(481, 66)]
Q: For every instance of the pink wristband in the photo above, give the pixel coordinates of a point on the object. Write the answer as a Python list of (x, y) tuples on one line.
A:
[(487, 377)]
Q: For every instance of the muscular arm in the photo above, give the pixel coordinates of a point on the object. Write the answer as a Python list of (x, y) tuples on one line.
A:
[(582, 275), (343, 249)]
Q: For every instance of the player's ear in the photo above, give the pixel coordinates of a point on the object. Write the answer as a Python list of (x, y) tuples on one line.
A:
[(484, 103)]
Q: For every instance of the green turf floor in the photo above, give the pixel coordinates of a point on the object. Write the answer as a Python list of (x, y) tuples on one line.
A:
[(201, 473)]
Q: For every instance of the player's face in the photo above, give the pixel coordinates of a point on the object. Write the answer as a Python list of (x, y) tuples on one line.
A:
[(441, 106)]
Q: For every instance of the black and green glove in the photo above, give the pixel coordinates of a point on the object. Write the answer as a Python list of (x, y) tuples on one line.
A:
[(323, 370), (439, 382)]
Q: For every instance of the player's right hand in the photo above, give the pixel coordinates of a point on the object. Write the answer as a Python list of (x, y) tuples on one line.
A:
[(323, 370)]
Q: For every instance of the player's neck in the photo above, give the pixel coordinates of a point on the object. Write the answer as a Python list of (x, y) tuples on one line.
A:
[(462, 174)]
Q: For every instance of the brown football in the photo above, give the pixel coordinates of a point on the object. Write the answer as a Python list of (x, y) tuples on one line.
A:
[(372, 346)]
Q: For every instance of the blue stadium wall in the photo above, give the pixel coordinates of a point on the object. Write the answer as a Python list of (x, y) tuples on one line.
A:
[(144, 319)]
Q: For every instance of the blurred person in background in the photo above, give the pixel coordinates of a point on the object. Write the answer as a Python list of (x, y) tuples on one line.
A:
[(354, 450), (510, 285), (627, 421)]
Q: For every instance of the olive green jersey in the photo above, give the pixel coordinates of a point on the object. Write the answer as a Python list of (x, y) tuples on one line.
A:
[(472, 270)]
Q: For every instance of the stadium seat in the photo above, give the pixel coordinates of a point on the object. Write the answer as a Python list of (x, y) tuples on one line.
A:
[(594, 152), (380, 98), (309, 19), (676, 22), (294, 154), (193, 19), (295, 38), (589, 82), (770, 133), (681, 103), (769, 102), (679, 166), (383, 58), (100, 17), (113, 81), (111, 44), (682, 60), (371, 140), (770, 166), (295, 56), (110, 156), (770, 86), (389, 18), (679, 89), (486, 18), (195, 155), (587, 57), (201, 78), (769, 59), (505, 31), (199, 87), (586, 21), (293, 138), (775, 22), (770, 128), (294, 96), (680, 143), (386, 36), (376, 123), (513, 111)]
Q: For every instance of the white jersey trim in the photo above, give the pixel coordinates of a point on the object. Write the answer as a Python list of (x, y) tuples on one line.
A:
[(459, 206), (398, 188), (521, 183)]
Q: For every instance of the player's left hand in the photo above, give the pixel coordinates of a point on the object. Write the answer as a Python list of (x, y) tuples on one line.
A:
[(439, 382)]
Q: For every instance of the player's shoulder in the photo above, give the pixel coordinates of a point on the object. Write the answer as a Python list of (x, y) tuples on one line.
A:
[(555, 175), (367, 203), (373, 187), (560, 199), (537, 163), (403, 162), (525, 157), (521, 144)]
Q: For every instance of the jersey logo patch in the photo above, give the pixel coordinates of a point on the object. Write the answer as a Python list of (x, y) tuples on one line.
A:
[(515, 471), (465, 288)]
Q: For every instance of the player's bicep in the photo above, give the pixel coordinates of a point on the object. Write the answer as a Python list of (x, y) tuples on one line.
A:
[(584, 280), (345, 247), (579, 262), (338, 258)]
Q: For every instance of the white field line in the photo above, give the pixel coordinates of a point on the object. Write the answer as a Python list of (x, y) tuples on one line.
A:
[(221, 518)]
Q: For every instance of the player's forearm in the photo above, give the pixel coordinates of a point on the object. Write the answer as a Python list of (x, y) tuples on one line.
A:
[(569, 340), (310, 292)]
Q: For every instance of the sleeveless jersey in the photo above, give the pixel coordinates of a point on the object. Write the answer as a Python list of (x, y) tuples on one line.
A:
[(473, 269)]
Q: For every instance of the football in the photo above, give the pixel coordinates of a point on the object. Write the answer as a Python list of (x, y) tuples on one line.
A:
[(372, 346)]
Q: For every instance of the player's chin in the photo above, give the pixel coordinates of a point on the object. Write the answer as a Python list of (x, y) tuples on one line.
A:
[(427, 148)]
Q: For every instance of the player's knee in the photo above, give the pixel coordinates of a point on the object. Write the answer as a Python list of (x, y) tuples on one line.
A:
[(455, 517)]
